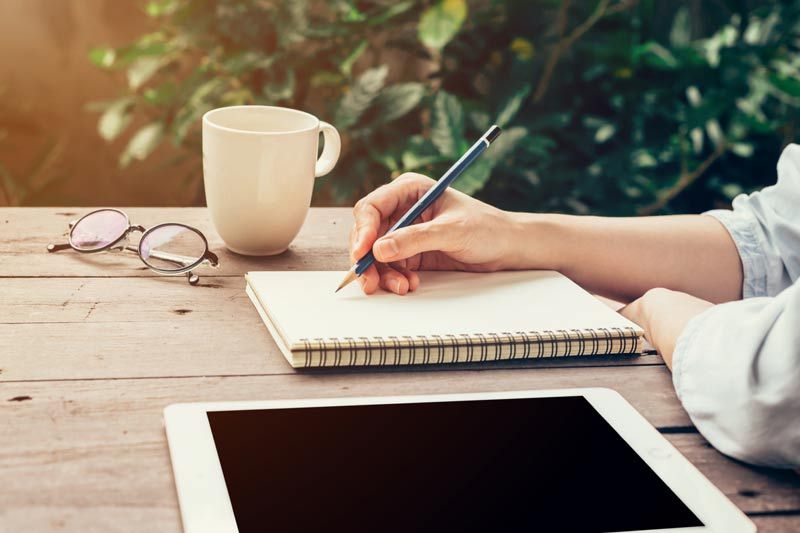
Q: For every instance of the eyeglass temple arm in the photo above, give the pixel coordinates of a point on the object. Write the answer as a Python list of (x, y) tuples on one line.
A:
[(181, 260), (58, 247), (164, 256)]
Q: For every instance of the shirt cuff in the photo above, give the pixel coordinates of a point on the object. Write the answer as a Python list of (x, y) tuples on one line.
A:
[(681, 357), (743, 230)]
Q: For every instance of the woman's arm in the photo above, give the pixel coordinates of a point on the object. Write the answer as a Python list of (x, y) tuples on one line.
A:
[(623, 258), (617, 257)]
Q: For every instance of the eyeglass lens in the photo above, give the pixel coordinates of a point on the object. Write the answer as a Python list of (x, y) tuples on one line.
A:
[(98, 230), (172, 247)]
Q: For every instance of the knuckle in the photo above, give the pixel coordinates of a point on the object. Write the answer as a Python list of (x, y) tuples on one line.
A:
[(656, 292), (413, 178)]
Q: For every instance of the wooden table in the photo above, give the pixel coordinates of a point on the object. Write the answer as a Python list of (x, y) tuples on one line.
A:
[(92, 348)]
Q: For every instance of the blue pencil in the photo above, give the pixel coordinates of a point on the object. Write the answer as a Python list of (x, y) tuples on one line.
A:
[(428, 198)]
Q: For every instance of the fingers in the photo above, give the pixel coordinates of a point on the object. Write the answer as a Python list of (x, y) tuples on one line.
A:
[(380, 205), (410, 241), (392, 280), (370, 280), (410, 275), (365, 230)]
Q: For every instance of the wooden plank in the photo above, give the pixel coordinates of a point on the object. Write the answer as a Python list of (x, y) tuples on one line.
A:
[(788, 523), (751, 489), (137, 327), (649, 387), (104, 465), (25, 233)]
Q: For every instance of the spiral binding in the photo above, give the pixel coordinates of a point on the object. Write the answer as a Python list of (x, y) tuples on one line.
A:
[(464, 348)]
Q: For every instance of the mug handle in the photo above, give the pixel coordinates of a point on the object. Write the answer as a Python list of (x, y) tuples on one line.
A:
[(330, 154)]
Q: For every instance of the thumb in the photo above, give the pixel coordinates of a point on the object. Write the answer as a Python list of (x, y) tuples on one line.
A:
[(408, 242)]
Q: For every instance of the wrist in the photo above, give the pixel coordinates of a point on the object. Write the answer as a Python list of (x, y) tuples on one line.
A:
[(534, 241)]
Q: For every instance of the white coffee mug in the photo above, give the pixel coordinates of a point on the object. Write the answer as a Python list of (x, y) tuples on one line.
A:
[(259, 165)]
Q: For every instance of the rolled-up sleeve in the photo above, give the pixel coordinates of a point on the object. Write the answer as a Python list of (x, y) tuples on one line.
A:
[(736, 367), (765, 226)]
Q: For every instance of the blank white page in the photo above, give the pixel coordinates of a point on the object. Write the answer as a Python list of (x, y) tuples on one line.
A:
[(303, 305)]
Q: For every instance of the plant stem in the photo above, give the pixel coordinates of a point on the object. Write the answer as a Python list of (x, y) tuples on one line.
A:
[(555, 53), (564, 42), (686, 178)]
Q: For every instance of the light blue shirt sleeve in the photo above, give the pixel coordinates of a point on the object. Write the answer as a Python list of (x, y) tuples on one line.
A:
[(736, 367)]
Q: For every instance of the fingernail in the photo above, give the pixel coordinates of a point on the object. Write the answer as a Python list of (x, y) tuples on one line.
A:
[(386, 249), (395, 285)]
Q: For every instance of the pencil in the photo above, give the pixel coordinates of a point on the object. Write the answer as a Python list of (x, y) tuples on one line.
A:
[(427, 199)]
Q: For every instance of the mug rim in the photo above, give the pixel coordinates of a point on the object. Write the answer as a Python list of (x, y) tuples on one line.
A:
[(207, 120)]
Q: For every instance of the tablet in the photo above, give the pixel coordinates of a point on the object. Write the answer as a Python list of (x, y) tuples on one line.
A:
[(562, 460)]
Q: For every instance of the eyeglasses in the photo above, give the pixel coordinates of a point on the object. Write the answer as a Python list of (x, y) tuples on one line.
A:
[(171, 249)]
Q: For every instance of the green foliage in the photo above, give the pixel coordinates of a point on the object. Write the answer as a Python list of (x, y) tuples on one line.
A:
[(441, 21), (608, 106)]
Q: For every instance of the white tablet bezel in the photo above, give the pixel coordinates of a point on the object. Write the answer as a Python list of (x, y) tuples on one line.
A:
[(203, 496)]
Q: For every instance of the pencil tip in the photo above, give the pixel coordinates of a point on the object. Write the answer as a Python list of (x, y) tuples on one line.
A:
[(351, 275)]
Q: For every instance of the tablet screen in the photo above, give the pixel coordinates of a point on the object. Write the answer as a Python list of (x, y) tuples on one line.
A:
[(534, 464)]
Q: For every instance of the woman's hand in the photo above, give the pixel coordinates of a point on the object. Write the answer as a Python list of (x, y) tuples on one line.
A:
[(663, 314), (456, 232)]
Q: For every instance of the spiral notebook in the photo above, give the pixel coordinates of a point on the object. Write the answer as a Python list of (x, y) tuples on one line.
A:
[(454, 317)]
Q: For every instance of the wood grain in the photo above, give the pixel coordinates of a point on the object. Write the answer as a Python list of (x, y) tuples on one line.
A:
[(105, 455), (780, 523)]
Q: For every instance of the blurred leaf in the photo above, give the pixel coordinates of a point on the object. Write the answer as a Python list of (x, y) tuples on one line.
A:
[(475, 177), (397, 100), (326, 78), (790, 86), (723, 38), (196, 105), (447, 129), (161, 8), (643, 159), (346, 66), (420, 152), (522, 48), (161, 95), (742, 149), (732, 190), (103, 57), (141, 70), (360, 96), (115, 119), (244, 62), (278, 91), (537, 146), (681, 33), (512, 105), (655, 55), (604, 133), (142, 143), (351, 11), (386, 159), (440, 22), (480, 120), (394, 9)]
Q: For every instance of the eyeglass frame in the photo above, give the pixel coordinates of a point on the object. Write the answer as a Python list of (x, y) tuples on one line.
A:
[(208, 258)]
